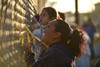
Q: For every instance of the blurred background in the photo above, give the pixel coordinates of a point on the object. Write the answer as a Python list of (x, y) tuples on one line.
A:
[(15, 14)]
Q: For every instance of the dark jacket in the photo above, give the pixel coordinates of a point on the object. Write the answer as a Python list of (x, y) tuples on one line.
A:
[(57, 55)]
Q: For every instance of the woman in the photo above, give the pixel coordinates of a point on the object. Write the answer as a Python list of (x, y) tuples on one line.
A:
[(63, 45), (47, 14)]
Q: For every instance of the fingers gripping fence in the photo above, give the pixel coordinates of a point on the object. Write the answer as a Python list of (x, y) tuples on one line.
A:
[(14, 15)]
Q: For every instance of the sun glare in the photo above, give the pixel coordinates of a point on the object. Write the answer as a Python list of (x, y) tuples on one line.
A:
[(96, 1), (86, 6), (69, 5), (64, 5)]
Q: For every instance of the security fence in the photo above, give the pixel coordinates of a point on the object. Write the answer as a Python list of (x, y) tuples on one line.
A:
[(14, 14)]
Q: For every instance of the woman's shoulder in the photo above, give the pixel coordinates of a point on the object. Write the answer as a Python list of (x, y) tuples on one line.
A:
[(60, 50)]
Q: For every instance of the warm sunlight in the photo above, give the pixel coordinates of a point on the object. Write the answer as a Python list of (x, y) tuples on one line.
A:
[(86, 6), (69, 5), (64, 5), (95, 1)]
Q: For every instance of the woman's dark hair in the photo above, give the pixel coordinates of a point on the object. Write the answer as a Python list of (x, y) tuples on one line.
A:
[(62, 15), (51, 12), (77, 40), (73, 39), (64, 28)]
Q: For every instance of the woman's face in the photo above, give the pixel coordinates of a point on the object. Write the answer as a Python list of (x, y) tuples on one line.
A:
[(50, 29), (51, 36), (44, 17)]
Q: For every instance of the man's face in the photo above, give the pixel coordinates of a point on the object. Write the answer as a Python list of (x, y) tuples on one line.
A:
[(44, 18)]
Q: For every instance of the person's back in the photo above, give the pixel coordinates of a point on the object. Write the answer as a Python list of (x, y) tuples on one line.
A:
[(90, 30), (58, 55), (84, 60)]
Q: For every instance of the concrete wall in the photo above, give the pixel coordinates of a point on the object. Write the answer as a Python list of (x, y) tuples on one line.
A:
[(13, 15)]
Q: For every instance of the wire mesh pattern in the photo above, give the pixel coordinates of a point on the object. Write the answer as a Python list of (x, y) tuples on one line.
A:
[(14, 14)]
